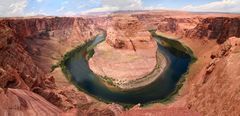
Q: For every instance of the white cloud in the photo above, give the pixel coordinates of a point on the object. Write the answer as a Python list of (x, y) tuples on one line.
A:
[(156, 7), (34, 13), (123, 4), (39, 0), (61, 9), (70, 13), (65, 2), (218, 6), (109, 5), (82, 6), (17, 7), (12, 7), (102, 9)]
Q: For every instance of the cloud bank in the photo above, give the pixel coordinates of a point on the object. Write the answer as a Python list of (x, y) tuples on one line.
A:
[(12, 7), (20, 7), (219, 6), (110, 5)]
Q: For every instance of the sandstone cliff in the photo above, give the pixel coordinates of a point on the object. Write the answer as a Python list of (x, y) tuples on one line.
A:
[(14, 55), (28, 48), (219, 28)]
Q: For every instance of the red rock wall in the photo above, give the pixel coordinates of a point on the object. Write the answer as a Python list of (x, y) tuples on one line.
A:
[(28, 49), (16, 43), (12, 54), (27, 27), (219, 28)]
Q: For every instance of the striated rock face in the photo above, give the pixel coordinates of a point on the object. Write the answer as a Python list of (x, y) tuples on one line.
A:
[(30, 45), (28, 48), (47, 39), (168, 25), (219, 28), (13, 55), (31, 27), (17, 102), (177, 26), (11, 79)]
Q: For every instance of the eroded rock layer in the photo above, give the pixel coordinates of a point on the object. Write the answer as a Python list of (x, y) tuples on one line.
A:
[(15, 102), (220, 28)]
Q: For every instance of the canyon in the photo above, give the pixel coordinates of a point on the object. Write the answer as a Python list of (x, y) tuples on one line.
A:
[(31, 48)]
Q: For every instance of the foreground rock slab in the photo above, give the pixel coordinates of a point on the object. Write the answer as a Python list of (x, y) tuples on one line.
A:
[(15, 102)]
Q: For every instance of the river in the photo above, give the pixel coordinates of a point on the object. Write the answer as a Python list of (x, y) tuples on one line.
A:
[(86, 80)]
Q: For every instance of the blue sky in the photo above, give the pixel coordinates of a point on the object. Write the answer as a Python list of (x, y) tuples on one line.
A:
[(77, 7)]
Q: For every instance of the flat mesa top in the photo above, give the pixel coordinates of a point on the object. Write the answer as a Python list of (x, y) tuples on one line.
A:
[(124, 58)]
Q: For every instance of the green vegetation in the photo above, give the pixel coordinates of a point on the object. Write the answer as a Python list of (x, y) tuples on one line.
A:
[(90, 54), (54, 66), (108, 80), (168, 42)]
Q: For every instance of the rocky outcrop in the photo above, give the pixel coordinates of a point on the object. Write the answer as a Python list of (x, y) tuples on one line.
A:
[(168, 25), (15, 102), (219, 28), (128, 54), (11, 79), (177, 26), (13, 55)]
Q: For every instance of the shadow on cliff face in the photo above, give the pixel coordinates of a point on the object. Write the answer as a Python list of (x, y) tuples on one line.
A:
[(219, 28)]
